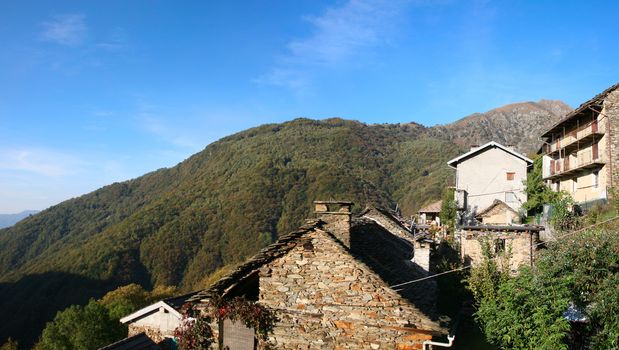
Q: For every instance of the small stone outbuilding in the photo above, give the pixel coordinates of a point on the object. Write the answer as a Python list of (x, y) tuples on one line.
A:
[(430, 213), (516, 244)]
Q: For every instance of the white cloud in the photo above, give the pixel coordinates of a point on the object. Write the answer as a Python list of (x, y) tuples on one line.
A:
[(39, 161), (67, 29), (338, 36), (341, 32)]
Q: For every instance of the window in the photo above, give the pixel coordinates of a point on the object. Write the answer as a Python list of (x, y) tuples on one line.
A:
[(510, 197), (499, 245), (574, 185), (510, 175), (596, 179)]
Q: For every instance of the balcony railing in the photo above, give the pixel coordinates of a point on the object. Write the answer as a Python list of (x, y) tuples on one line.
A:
[(572, 164), (569, 142)]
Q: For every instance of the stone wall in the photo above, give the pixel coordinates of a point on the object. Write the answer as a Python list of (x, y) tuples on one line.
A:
[(153, 333), (517, 246), (325, 299), (611, 110)]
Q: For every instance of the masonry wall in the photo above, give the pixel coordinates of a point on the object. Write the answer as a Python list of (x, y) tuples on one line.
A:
[(611, 109), (517, 245), (325, 299)]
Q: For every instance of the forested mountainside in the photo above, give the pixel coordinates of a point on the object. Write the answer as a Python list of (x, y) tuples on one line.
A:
[(176, 226)]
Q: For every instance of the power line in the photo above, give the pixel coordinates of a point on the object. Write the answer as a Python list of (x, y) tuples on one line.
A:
[(497, 257)]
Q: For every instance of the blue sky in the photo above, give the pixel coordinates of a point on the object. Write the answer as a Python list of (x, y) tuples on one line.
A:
[(93, 92)]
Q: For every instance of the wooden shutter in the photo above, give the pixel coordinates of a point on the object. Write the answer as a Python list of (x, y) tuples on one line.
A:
[(552, 167), (594, 151), (594, 125)]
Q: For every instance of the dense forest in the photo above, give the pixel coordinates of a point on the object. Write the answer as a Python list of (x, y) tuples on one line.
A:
[(177, 226)]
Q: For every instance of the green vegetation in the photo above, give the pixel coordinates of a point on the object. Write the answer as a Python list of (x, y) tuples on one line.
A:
[(10, 344), (81, 328), (538, 193), (527, 311), (97, 323), (195, 332), (449, 209), (177, 226)]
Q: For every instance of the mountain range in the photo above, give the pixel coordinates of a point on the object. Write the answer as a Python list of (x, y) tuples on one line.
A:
[(178, 226), (7, 220)]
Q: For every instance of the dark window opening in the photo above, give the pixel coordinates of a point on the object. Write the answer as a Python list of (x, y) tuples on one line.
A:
[(499, 245)]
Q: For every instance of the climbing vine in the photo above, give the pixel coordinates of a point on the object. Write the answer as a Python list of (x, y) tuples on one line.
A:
[(195, 331)]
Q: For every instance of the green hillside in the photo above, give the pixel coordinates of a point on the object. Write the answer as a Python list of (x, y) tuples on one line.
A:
[(176, 226)]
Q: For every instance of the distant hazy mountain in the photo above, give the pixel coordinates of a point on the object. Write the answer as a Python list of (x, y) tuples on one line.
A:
[(7, 220), (176, 226)]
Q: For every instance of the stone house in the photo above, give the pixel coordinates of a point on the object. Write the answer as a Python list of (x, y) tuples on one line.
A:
[(513, 245), (581, 151), (430, 213), (488, 173), (329, 284)]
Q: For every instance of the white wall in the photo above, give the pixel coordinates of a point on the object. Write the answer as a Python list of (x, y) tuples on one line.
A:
[(484, 178)]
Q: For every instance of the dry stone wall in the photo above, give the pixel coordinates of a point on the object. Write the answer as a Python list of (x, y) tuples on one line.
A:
[(611, 109), (517, 246)]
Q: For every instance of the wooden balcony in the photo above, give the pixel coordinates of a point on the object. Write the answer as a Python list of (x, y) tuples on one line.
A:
[(575, 139), (566, 167)]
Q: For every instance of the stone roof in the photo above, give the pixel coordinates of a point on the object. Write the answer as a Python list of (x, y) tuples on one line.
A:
[(283, 245), (596, 100), (434, 207), (137, 342), (495, 204), (388, 214)]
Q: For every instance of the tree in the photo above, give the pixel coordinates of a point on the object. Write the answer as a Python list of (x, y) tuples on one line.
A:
[(10, 344), (448, 208), (538, 193), (81, 328), (127, 299)]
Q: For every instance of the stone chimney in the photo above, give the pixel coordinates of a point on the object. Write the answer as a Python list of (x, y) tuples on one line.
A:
[(336, 215)]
